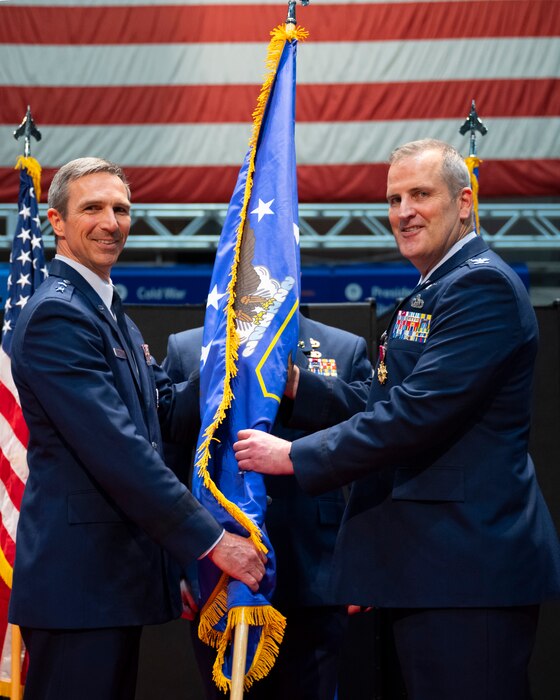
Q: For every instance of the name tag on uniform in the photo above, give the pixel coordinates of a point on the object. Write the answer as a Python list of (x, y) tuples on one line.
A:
[(120, 353), (412, 325)]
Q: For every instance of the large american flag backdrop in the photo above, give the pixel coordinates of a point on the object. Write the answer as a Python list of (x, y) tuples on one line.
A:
[(166, 89)]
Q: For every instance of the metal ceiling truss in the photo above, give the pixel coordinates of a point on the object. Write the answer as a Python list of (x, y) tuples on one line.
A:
[(182, 227)]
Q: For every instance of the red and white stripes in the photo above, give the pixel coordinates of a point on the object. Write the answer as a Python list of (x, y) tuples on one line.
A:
[(167, 89)]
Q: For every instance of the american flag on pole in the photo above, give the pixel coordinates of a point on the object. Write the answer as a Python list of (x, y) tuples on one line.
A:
[(165, 88), (27, 271)]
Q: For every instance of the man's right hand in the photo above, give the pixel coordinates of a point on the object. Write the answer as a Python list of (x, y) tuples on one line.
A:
[(237, 557)]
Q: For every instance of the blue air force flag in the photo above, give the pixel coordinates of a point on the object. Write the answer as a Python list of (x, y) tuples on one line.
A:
[(250, 331)]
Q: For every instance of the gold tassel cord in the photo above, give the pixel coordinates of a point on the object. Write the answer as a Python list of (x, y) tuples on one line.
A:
[(473, 162), (34, 169), (6, 571)]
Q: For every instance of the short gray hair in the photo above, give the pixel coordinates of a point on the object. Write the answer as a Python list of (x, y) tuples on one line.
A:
[(74, 170), (453, 168)]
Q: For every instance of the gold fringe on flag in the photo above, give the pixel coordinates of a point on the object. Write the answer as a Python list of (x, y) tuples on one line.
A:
[(34, 169), (472, 163), (272, 625), (279, 35), (6, 571), (271, 620)]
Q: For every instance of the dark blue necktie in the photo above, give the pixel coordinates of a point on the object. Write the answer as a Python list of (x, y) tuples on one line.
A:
[(117, 309)]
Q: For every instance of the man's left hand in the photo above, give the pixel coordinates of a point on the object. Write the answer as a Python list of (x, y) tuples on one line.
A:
[(257, 451)]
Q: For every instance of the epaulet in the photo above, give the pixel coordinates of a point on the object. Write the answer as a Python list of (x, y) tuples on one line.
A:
[(478, 262), (61, 288)]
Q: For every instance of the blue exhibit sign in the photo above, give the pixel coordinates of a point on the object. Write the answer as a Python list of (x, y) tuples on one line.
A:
[(189, 284), (173, 284)]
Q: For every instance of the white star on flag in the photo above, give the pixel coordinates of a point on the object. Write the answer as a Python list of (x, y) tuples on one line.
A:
[(263, 208), (22, 301), (24, 257), (214, 297), (23, 280), (204, 352)]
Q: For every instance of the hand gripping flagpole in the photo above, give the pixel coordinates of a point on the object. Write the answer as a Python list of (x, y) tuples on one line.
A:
[(473, 124), (241, 637)]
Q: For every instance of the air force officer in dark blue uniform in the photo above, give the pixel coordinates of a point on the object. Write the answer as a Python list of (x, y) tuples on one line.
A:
[(104, 525), (446, 525)]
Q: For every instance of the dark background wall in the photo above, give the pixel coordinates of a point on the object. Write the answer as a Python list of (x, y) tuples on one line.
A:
[(545, 451), (369, 669)]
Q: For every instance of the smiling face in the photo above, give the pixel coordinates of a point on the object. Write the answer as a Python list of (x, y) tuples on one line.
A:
[(97, 222), (426, 218)]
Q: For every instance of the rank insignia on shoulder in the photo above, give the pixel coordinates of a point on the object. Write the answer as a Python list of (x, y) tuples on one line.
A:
[(479, 261), (417, 302)]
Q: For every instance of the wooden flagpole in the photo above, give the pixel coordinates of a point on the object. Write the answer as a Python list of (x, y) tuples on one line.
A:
[(239, 657), (15, 674)]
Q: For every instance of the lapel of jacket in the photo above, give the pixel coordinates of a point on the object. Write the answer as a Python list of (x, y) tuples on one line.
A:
[(474, 247), (59, 268)]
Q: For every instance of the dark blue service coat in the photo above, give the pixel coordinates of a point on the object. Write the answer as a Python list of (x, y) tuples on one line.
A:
[(445, 510), (101, 513)]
